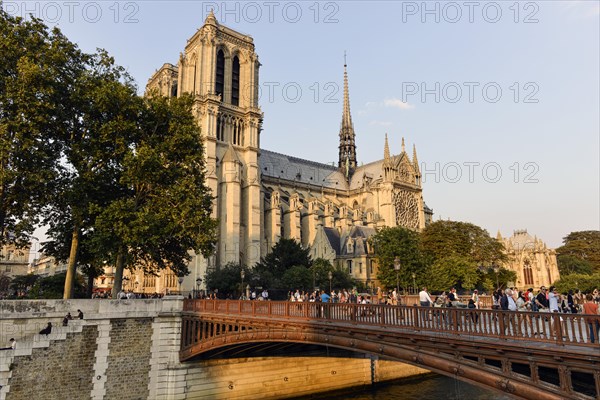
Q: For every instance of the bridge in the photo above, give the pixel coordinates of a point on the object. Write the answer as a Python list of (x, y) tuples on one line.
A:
[(522, 354)]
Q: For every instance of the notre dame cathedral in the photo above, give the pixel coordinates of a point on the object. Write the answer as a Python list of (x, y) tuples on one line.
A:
[(262, 196)]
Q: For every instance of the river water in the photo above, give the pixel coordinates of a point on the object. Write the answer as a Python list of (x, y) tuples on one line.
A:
[(423, 387)]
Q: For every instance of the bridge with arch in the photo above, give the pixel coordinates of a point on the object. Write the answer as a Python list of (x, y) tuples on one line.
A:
[(522, 354)]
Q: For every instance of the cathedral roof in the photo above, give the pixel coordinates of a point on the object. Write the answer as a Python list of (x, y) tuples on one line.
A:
[(333, 236), (522, 240), (277, 165), (373, 169)]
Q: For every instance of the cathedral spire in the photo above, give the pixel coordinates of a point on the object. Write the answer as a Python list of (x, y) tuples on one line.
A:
[(415, 160), (210, 19), (347, 145), (403, 147), (386, 149)]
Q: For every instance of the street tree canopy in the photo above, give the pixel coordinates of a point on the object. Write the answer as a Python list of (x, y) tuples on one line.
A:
[(119, 179), (442, 239), (286, 253), (163, 208), (582, 245), (39, 68), (402, 244)]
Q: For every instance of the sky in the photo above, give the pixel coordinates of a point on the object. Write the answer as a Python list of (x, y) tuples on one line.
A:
[(501, 99)]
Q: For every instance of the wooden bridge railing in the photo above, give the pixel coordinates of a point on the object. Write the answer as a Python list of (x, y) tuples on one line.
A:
[(557, 328)]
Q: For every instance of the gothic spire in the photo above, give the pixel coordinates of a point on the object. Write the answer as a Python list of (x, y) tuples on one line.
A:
[(347, 145), (415, 161), (403, 147), (386, 149), (210, 19)]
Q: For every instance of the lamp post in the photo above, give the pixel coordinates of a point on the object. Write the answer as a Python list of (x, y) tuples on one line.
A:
[(242, 275), (330, 275), (496, 270), (397, 266), (198, 283), (414, 282), (180, 280)]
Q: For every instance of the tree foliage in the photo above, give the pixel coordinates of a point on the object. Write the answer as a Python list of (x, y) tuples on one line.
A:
[(586, 283), (119, 178), (405, 245), (163, 208), (582, 245), (286, 253), (340, 278), (105, 110), (568, 264), (227, 280), (23, 283), (442, 239), (51, 287), (39, 69)]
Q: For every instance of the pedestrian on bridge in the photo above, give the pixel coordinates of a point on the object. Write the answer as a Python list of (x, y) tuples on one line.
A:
[(590, 307), (424, 298)]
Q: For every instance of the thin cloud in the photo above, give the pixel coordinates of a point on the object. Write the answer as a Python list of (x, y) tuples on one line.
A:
[(397, 103)]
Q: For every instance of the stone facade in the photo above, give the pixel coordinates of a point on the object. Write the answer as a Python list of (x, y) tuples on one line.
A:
[(529, 257), (13, 261), (130, 350), (262, 196)]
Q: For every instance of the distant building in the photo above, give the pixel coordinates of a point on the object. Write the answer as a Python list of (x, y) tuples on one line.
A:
[(14, 261), (534, 263), (46, 266)]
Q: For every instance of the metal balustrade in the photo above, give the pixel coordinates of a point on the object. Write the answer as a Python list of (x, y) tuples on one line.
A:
[(556, 328)]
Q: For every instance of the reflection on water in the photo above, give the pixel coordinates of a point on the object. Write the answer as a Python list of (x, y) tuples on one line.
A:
[(430, 386)]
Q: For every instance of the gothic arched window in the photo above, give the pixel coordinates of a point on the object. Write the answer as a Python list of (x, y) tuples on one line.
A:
[(220, 129), (235, 81), (527, 273), (220, 74)]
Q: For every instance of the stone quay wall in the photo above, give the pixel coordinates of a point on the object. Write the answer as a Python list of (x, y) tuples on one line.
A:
[(129, 349)]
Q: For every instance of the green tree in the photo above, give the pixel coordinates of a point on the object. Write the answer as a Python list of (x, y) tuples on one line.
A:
[(286, 253), (500, 278), (340, 278), (4, 284), (105, 116), (582, 245), (402, 244), (164, 206), (297, 277), (39, 68), (227, 280), (453, 271), (51, 287), (568, 264), (442, 239), (23, 283), (586, 283)]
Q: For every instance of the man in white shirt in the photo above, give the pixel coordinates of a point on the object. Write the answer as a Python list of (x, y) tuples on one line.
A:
[(424, 298), (512, 306), (553, 299)]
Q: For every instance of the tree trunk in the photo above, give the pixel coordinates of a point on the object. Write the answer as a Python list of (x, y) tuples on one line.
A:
[(119, 266), (90, 282), (71, 269)]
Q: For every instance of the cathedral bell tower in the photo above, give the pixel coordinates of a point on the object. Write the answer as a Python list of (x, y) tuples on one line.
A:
[(220, 67), (347, 160)]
